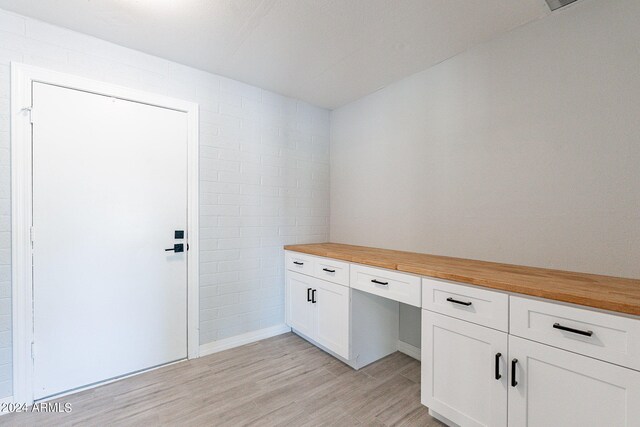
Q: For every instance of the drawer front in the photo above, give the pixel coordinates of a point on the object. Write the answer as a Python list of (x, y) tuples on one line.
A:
[(332, 271), (608, 337), (301, 263), (400, 287), (477, 305)]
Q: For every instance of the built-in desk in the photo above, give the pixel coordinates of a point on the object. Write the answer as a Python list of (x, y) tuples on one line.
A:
[(602, 292), (501, 344)]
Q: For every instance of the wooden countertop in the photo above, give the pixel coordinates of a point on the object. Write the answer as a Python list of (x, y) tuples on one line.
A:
[(604, 292)]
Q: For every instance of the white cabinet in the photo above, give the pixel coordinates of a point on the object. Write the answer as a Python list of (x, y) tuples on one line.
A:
[(331, 304), (299, 308), (488, 359), (319, 310), (465, 381), (355, 326), (464, 371), (554, 387), (532, 384)]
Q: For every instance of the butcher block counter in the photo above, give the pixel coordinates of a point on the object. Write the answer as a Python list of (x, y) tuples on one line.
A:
[(617, 294)]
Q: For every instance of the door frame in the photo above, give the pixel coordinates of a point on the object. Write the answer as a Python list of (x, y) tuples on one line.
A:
[(22, 79)]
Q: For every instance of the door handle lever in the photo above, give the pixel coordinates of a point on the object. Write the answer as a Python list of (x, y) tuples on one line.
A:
[(178, 247)]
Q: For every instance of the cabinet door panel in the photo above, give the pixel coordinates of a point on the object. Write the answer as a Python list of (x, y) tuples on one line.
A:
[(299, 310), (332, 317), (458, 371), (557, 387)]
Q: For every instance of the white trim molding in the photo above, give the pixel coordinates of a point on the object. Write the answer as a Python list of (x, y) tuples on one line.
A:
[(247, 338), (409, 349), (22, 79)]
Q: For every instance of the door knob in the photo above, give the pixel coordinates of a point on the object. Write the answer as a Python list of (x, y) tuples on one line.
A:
[(178, 247)]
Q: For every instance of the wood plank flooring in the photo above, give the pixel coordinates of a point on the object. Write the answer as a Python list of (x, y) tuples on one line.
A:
[(282, 380)]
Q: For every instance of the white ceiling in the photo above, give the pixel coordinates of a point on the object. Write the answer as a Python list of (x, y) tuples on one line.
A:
[(326, 52)]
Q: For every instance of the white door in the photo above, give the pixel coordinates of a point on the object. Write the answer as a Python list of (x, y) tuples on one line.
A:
[(109, 190), (331, 303), (464, 371), (299, 306), (555, 387)]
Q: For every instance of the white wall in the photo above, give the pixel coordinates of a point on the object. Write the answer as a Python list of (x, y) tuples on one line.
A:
[(264, 173), (524, 150)]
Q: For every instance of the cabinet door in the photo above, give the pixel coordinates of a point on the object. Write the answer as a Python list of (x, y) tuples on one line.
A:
[(298, 306), (464, 371), (332, 317), (559, 388)]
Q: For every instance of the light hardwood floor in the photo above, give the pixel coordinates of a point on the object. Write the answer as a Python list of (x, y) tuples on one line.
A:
[(282, 380)]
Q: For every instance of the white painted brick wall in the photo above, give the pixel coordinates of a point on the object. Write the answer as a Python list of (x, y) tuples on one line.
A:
[(264, 180)]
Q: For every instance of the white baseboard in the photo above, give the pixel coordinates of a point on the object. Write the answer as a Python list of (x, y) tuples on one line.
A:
[(409, 350), (238, 340)]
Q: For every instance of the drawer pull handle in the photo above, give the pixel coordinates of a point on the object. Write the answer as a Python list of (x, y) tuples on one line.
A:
[(313, 296), (308, 294), (377, 282), (514, 362), (298, 263), (498, 356), (328, 271), (575, 331), (455, 301)]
